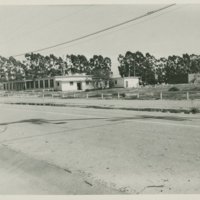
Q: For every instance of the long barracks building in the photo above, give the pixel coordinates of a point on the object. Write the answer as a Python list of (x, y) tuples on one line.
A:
[(58, 83), (75, 82)]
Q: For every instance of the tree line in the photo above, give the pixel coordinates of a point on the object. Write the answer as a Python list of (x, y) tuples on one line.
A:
[(150, 69), (36, 66), (172, 70)]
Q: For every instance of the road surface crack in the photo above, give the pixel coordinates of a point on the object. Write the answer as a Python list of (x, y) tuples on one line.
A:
[(88, 183)]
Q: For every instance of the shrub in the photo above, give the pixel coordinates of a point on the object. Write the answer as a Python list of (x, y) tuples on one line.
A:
[(173, 89), (194, 110), (111, 84), (92, 89), (196, 89), (123, 94)]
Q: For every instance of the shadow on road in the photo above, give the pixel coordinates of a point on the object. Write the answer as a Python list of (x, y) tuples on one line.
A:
[(64, 121), (112, 121), (172, 118), (44, 121)]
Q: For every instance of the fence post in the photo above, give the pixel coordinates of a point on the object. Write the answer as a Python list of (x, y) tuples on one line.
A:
[(43, 97), (74, 95), (118, 96), (87, 95), (188, 96), (102, 95), (138, 95), (161, 96)]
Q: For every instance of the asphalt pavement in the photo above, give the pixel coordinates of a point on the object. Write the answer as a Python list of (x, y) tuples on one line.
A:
[(71, 150)]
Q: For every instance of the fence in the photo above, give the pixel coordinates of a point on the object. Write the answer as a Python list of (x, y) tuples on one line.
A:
[(172, 95)]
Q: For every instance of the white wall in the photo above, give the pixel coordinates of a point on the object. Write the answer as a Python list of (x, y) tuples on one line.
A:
[(192, 78), (64, 83), (118, 82), (132, 82), (87, 86), (121, 82), (65, 86)]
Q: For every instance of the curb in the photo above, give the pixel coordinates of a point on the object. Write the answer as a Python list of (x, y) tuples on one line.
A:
[(164, 110)]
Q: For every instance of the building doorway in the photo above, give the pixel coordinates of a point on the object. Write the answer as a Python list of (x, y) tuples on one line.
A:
[(79, 86)]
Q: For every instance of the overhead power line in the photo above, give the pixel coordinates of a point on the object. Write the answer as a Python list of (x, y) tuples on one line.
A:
[(118, 29), (98, 32), (44, 26)]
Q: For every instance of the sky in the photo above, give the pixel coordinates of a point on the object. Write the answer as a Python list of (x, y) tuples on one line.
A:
[(175, 30)]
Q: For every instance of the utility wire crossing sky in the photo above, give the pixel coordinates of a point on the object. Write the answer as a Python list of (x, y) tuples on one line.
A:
[(99, 29)]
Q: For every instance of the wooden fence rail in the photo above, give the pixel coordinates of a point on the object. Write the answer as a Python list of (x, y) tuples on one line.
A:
[(175, 95)]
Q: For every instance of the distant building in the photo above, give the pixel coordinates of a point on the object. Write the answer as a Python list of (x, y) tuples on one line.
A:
[(73, 82), (194, 78), (126, 82)]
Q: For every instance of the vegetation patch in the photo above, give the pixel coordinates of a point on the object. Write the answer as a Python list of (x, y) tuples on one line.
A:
[(173, 89), (194, 110)]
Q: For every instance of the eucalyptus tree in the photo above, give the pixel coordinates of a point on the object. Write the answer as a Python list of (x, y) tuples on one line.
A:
[(84, 66), (148, 73), (34, 66), (194, 63), (16, 69), (123, 66), (53, 65), (175, 70), (3, 69), (160, 70), (101, 69)]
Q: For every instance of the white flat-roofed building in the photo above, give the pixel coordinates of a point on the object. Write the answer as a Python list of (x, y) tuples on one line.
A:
[(194, 78), (125, 82), (73, 82)]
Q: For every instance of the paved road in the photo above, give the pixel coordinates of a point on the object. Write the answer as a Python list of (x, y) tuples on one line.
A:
[(63, 150)]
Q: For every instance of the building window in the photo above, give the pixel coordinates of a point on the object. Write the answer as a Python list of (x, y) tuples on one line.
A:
[(51, 83), (115, 82), (58, 83), (71, 83), (87, 82), (31, 85), (41, 83), (36, 84), (28, 85), (46, 82)]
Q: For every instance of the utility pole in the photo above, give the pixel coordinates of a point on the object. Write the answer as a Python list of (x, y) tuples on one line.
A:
[(63, 66)]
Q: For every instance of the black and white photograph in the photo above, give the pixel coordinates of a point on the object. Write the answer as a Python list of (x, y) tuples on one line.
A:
[(100, 99)]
